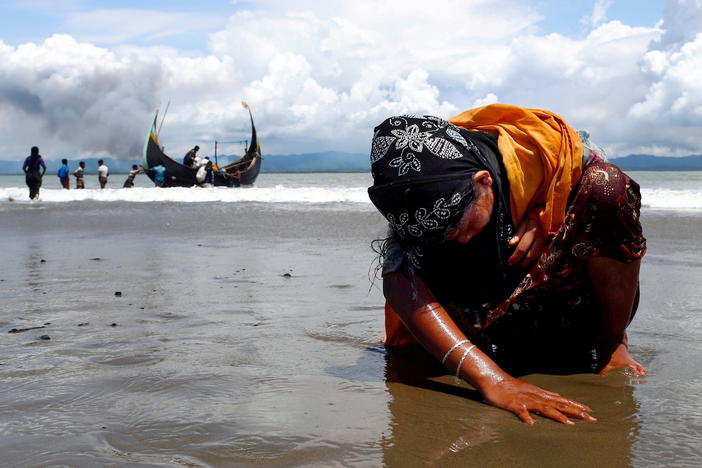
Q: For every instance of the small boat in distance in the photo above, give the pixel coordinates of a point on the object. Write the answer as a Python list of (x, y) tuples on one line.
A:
[(179, 175)]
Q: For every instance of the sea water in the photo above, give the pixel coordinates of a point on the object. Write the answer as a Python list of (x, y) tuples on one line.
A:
[(247, 330), (660, 190), (291, 189)]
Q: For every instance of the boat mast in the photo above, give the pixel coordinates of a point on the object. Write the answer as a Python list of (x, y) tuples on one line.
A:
[(253, 128), (158, 133)]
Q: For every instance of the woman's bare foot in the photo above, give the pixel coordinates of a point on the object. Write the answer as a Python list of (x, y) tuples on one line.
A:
[(621, 359)]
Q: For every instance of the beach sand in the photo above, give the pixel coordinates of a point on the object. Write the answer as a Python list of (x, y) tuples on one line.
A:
[(249, 335)]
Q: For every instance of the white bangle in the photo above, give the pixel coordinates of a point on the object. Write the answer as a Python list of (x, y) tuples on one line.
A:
[(453, 348), (463, 358)]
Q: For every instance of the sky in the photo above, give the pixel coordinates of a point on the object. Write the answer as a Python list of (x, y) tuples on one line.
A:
[(83, 78)]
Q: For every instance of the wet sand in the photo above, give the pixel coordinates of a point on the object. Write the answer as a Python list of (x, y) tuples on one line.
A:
[(248, 335)]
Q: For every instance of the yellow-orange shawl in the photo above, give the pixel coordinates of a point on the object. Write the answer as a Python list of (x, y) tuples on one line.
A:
[(541, 153)]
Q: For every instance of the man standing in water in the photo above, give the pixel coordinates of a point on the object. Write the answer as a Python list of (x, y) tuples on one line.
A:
[(63, 173), (103, 173), (34, 169), (79, 173)]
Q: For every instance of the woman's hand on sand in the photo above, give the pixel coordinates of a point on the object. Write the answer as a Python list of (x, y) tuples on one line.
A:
[(529, 239), (523, 399)]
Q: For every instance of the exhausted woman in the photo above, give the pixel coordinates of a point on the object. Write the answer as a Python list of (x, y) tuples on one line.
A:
[(513, 248)]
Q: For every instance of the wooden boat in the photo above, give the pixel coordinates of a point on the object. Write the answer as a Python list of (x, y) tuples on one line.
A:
[(243, 171)]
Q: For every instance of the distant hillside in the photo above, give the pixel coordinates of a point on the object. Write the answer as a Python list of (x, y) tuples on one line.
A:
[(646, 162), (335, 161), (329, 161)]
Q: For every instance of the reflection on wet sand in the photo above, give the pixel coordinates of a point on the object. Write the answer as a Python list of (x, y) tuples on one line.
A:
[(436, 422), (219, 360)]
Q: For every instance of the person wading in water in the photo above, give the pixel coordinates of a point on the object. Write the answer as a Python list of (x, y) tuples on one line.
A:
[(34, 169), (129, 182), (103, 174), (64, 174), (79, 174)]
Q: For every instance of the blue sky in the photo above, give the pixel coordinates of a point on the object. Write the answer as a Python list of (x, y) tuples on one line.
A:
[(25, 21), (566, 16), (84, 77), (33, 21)]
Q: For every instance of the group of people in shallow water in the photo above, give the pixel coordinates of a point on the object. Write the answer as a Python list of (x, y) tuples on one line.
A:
[(206, 169), (34, 169), (159, 173)]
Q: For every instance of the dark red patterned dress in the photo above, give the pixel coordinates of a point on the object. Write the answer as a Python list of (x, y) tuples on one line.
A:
[(550, 321)]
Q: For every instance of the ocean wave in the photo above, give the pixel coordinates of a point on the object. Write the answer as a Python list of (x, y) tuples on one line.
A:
[(668, 199), (665, 199), (277, 194)]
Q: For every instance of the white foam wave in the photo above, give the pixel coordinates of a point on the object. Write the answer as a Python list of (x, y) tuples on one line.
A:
[(277, 194), (667, 199)]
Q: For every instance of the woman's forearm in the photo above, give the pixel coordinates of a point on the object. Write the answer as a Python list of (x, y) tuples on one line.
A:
[(432, 326), (435, 330)]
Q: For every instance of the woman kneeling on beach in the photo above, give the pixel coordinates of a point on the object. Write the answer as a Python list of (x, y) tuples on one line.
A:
[(513, 248)]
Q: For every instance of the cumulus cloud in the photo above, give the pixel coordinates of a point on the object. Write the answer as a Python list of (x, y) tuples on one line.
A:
[(671, 106), (682, 21), (599, 13), (75, 93), (77, 96), (319, 76)]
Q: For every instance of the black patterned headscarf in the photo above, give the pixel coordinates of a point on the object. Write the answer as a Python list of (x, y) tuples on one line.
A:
[(422, 183), (422, 177)]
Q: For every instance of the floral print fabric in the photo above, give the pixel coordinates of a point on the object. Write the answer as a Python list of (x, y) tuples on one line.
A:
[(554, 306), (550, 321)]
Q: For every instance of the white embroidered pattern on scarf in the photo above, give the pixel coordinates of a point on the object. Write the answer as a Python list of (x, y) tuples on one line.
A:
[(410, 138), (425, 221)]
